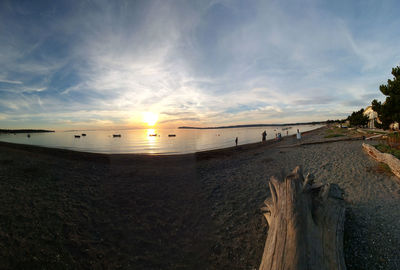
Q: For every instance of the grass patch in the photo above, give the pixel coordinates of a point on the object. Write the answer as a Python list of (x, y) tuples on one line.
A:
[(383, 168), (333, 135), (387, 149), (333, 132), (336, 132), (375, 132)]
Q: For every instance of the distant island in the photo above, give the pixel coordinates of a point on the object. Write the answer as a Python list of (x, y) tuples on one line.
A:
[(256, 125), (24, 130)]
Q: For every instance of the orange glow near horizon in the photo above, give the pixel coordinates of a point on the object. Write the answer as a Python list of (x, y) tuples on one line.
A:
[(150, 118)]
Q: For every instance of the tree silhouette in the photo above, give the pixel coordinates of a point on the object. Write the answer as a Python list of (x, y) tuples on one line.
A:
[(358, 118), (389, 111)]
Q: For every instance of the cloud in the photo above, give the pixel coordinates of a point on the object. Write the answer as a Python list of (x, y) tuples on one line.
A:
[(10, 82), (205, 61), (314, 100), (184, 119)]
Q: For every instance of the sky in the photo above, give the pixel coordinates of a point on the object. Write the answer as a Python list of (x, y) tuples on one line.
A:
[(105, 64)]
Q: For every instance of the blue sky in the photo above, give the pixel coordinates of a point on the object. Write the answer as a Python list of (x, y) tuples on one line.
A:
[(84, 64)]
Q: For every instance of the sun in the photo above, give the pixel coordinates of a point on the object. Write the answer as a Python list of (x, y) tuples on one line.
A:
[(150, 118)]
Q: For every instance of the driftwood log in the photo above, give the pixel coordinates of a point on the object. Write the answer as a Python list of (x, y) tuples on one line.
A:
[(306, 223), (390, 160)]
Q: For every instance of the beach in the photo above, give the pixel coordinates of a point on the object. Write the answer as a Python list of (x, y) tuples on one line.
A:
[(61, 209)]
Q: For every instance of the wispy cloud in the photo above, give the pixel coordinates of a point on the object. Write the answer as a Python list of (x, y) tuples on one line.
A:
[(10, 82), (202, 62)]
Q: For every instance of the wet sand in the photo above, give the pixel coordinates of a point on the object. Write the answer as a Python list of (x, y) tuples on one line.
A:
[(63, 209)]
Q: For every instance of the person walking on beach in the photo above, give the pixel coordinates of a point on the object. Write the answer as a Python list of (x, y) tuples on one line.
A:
[(298, 136), (236, 141), (264, 136)]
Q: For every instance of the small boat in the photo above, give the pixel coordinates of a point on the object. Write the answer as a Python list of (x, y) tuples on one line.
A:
[(171, 135), (153, 135), (286, 128), (116, 135), (83, 134), (77, 136), (29, 135)]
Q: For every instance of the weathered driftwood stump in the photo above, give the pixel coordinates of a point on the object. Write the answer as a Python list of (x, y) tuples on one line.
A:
[(305, 225)]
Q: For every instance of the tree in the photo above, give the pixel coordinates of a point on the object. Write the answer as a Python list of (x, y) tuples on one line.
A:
[(358, 118), (389, 111)]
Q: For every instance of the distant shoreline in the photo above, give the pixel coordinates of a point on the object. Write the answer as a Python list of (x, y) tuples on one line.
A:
[(255, 125), (24, 130)]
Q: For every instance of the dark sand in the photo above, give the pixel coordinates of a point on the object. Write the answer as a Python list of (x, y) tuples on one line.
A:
[(65, 210)]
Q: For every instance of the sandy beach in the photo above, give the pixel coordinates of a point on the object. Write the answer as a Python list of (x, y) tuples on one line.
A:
[(61, 209)]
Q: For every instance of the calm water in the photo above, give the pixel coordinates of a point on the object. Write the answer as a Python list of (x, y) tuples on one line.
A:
[(139, 141)]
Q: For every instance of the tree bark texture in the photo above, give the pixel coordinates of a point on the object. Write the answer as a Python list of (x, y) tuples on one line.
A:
[(306, 222)]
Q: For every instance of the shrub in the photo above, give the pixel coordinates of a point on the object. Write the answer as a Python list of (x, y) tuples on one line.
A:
[(393, 140)]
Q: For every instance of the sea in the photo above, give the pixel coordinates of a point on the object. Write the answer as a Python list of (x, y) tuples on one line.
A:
[(152, 141)]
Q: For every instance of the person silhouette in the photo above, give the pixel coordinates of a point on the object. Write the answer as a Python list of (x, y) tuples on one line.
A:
[(236, 141), (264, 136)]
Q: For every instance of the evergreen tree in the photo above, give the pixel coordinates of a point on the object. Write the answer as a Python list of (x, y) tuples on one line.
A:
[(389, 111), (358, 118)]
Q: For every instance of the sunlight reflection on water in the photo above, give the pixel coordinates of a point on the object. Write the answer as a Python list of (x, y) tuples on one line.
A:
[(142, 141)]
